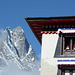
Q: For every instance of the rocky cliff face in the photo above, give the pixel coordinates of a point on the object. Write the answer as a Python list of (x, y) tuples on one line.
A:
[(14, 47)]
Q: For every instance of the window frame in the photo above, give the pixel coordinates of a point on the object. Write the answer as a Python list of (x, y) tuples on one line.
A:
[(63, 72), (63, 36), (62, 69)]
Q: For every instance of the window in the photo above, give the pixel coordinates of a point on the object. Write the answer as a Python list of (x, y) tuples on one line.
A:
[(67, 69), (68, 44), (67, 72)]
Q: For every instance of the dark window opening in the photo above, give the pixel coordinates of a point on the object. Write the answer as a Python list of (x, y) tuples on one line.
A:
[(67, 69), (68, 44)]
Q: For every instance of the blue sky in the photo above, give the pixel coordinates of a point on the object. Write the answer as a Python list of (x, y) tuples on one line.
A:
[(13, 12)]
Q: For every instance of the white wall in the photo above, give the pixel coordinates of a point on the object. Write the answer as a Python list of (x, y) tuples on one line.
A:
[(48, 63)]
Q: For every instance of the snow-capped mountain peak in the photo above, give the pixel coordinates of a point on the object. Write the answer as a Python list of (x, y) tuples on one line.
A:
[(15, 47)]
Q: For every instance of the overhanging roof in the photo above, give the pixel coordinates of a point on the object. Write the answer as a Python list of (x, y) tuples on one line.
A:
[(37, 23)]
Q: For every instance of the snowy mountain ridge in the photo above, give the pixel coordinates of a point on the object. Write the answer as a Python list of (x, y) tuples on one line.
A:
[(14, 47)]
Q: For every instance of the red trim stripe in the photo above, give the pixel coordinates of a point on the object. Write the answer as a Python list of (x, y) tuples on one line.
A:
[(48, 32), (66, 61)]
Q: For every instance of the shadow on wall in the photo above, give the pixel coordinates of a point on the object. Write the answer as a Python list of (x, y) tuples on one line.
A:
[(58, 73), (57, 51)]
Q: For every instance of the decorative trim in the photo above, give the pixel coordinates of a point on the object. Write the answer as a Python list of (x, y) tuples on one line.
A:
[(49, 18), (66, 66), (48, 32), (66, 62), (66, 30)]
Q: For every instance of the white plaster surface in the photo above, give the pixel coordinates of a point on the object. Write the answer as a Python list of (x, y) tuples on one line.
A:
[(49, 65)]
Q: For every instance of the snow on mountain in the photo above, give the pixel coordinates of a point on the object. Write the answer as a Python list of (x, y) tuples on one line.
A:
[(14, 47), (20, 41)]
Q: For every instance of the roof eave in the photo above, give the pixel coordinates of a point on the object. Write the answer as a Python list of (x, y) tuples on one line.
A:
[(33, 31)]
